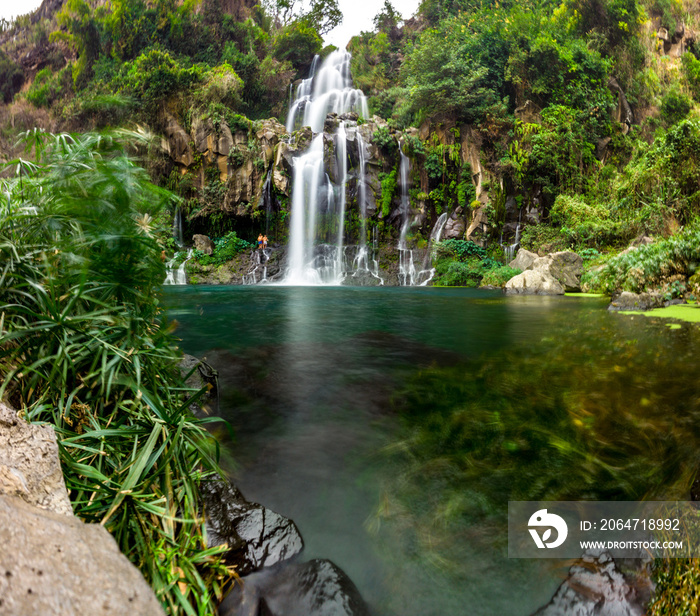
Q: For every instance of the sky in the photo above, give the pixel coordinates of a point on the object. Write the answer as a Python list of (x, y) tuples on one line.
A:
[(12, 8), (357, 15)]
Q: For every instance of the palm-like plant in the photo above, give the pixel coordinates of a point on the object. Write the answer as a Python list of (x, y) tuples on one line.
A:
[(82, 347)]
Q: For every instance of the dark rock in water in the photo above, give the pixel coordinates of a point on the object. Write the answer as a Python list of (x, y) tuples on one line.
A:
[(595, 587), (636, 301), (198, 374), (674, 302), (315, 588), (257, 537)]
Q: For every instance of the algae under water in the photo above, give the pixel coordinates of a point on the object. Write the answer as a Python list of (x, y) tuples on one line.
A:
[(393, 425)]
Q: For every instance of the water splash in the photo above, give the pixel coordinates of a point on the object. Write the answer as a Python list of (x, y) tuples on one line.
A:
[(177, 276)]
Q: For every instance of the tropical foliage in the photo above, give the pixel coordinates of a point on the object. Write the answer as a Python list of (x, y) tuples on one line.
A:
[(84, 348)]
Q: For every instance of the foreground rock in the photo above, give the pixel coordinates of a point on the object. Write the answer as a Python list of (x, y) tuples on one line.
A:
[(315, 588), (29, 465), (534, 283), (52, 563), (596, 587), (198, 374), (257, 537), (524, 260), (636, 301)]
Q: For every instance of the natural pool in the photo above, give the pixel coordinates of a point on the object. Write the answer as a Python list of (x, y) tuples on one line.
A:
[(393, 425)]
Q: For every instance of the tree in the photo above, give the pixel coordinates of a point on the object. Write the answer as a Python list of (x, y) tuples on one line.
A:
[(322, 15), (387, 19)]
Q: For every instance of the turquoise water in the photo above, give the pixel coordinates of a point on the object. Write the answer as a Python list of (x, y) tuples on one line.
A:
[(393, 425)]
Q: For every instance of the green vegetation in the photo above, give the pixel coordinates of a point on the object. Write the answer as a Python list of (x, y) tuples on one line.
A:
[(465, 264), (226, 248), (664, 264), (85, 349)]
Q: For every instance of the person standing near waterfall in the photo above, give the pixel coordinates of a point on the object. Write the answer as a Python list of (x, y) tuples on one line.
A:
[(260, 241), (264, 240)]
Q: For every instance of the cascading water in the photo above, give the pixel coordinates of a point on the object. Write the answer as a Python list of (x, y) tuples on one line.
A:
[(177, 276), (328, 89), (512, 249), (317, 226), (177, 227), (407, 269)]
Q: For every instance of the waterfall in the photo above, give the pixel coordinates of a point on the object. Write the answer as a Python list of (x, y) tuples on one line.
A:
[(177, 276), (266, 200), (360, 263), (438, 228), (318, 205), (177, 227), (513, 248), (341, 150), (327, 89), (407, 269)]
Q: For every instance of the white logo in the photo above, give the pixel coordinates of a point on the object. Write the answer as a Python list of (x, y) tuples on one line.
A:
[(542, 518)]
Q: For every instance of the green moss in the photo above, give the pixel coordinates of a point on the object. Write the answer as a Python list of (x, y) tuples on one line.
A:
[(683, 312), (585, 295)]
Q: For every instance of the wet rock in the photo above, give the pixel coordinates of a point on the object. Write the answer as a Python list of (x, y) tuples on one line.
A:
[(203, 243), (315, 588), (52, 563), (29, 464), (199, 374), (523, 260), (257, 537), (636, 301), (565, 266), (225, 142), (595, 587), (534, 282)]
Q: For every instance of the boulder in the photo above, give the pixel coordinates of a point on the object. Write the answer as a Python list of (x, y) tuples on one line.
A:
[(257, 537), (29, 464), (53, 563), (565, 266), (523, 260), (636, 301), (595, 587), (203, 243), (534, 282), (315, 588)]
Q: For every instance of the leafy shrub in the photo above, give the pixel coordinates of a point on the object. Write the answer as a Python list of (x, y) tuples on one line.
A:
[(222, 85), (11, 78), (498, 276), (388, 182), (543, 238), (85, 349), (646, 267), (675, 105), (450, 273), (461, 249), (225, 249), (297, 43), (383, 139)]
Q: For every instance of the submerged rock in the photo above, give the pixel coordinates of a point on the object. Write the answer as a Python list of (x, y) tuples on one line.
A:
[(315, 588), (636, 301), (257, 537), (595, 587), (533, 282)]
